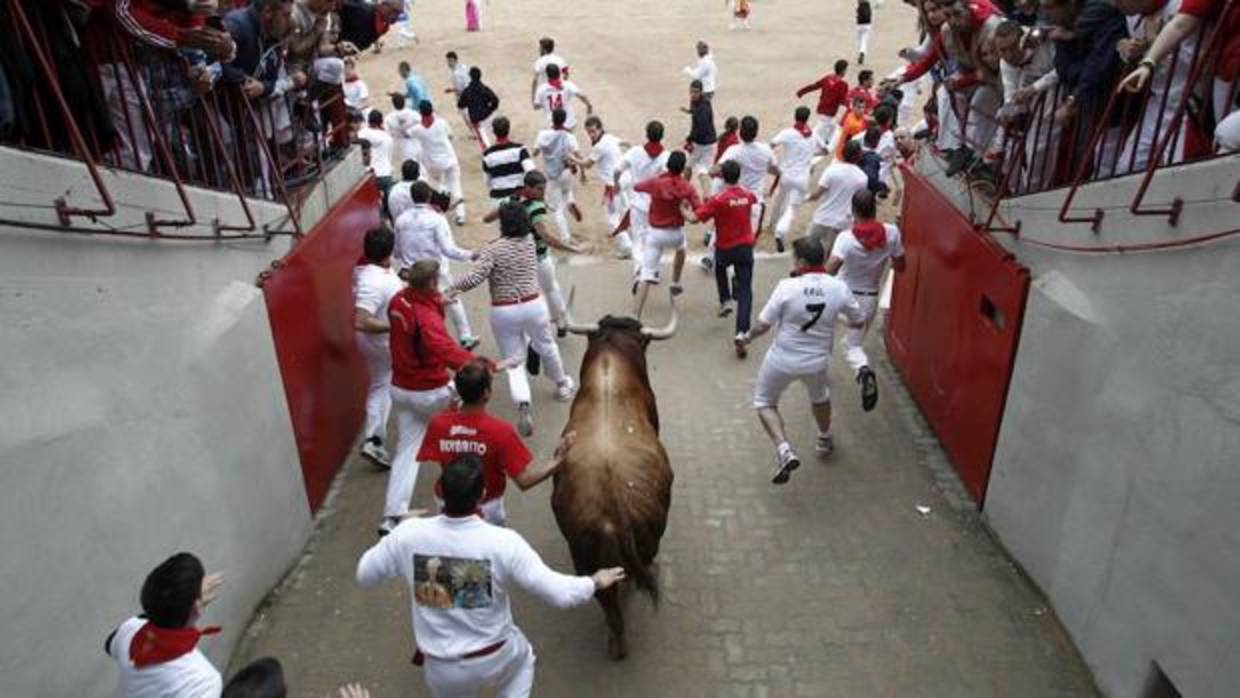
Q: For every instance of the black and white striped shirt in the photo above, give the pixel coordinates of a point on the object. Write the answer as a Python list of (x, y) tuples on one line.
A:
[(505, 165)]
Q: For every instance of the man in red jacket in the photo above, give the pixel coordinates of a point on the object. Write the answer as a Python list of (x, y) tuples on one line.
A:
[(734, 241), (422, 354), (832, 91), (672, 200)]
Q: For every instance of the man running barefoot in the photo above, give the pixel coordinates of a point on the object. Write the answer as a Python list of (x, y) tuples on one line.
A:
[(802, 311)]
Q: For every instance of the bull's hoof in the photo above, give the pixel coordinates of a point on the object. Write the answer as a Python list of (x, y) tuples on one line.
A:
[(617, 648)]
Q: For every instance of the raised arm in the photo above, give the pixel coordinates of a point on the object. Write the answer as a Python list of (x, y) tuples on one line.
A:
[(381, 562), (529, 572)]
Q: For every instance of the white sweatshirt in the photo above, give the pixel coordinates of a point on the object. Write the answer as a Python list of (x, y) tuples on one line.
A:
[(459, 571)]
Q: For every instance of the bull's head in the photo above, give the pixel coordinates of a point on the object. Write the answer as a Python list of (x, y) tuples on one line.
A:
[(665, 332)]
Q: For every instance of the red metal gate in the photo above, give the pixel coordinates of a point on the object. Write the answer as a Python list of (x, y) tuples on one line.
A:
[(954, 326), (310, 303)]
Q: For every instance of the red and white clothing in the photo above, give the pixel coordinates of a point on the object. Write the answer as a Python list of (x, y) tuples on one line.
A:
[(1166, 85), (356, 94), (424, 233), (558, 95), (729, 209), (443, 170), (540, 67), (374, 286), (667, 192), (519, 315), (399, 124), (605, 154), (797, 147), (841, 180), (802, 311), (642, 162), (832, 93), (755, 160), (865, 250), (460, 573), (422, 354), (555, 146), (454, 433), (380, 150), (188, 675)]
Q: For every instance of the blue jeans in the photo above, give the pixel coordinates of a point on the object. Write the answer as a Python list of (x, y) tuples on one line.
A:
[(740, 259)]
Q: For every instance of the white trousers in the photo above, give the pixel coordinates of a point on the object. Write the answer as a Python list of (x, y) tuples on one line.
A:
[(788, 199), (550, 285), (701, 159), (378, 358), (658, 240), (518, 326), (559, 196), (863, 38), (133, 143), (413, 410), (456, 309), (485, 134), (639, 223), (1154, 126), (854, 338), (949, 125), (982, 104), (773, 380), (911, 101), (448, 178), (509, 672), (406, 149), (614, 208), (824, 132)]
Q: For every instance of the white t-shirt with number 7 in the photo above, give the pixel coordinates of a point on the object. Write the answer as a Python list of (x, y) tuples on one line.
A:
[(803, 310)]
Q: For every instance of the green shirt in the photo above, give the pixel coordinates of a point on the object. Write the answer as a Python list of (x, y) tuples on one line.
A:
[(537, 211)]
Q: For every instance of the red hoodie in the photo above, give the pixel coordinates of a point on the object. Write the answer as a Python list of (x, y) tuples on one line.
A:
[(833, 92), (422, 349)]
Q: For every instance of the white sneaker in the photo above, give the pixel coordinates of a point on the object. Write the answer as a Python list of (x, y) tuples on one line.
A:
[(525, 420), (375, 453), (788, 462), (564, 391)]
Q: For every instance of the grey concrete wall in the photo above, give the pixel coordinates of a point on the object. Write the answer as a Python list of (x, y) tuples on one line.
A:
[(1115, 481), (141, 413)]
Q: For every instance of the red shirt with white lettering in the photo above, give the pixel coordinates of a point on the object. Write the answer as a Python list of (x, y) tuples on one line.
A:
[(730, 209), (666, 192), (453, 433)]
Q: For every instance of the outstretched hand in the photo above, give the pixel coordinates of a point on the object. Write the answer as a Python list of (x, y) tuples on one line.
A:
[(605, 579)]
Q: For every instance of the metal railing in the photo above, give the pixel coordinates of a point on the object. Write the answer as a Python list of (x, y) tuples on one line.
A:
[(158, 122)]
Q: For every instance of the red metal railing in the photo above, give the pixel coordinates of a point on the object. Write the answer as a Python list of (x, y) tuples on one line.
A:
[(156, 122)]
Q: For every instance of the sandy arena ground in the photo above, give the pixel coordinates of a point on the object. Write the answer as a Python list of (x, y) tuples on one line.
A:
[(627, 57)]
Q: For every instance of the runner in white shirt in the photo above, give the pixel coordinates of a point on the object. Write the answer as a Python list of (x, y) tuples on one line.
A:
[(399, 198), (461, 572), (559, 93), (150, 650), (757, 160), (399, 124), (546, 56), (424, 233), (374, 284), (380, 149), (558, 148), (439, 162), (605, 155), (802, 311), (797, 147), (458, 76), (704, 70), (641, 163), (859, 258), (839, 182)]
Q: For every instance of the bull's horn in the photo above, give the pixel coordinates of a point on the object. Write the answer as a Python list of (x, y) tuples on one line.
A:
[(569, 323), (669, 330)]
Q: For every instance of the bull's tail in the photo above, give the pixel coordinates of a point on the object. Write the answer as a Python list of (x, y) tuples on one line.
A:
[(635, 567)]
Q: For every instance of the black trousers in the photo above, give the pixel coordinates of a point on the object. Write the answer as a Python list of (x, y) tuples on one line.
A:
[(740, 259)]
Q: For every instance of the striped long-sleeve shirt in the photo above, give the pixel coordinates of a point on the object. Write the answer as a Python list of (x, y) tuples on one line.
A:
[(509, 265)]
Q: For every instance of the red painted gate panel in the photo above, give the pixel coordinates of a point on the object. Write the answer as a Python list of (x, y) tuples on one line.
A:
[(310, 304), (954, 326)]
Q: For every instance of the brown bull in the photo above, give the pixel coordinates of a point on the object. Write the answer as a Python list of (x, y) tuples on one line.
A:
[(612, 493)]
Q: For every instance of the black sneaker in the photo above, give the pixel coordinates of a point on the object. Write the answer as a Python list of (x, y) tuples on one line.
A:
[(869, 388), (779, 245), (533, 362), (958, 161)]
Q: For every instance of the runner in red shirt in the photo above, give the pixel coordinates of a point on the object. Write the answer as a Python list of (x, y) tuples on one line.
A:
[(832, 94), (471, 429), (734, 241), (727, 139), (672, 200)]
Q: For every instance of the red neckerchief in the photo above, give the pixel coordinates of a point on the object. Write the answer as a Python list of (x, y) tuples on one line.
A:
[(381, 23), (155, 645), (502, 141), (355, 78), (557, 83), (653, 149), (802, 128), (428, 120), (476, 512), (871, 234), (362, 261), (816, 269), (558, 128)]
